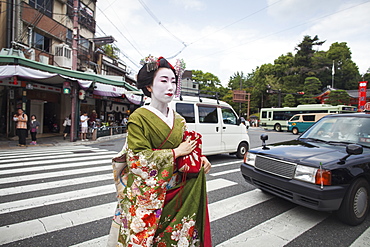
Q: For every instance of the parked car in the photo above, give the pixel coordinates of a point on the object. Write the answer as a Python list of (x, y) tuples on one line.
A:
[(216, 120), (327, 168), (301, 122)]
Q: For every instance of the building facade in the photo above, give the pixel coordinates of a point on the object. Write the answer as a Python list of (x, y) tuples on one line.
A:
[(40, 38)]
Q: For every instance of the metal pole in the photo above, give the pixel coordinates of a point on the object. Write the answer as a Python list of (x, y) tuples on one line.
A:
[(332, 75), (248, 105)]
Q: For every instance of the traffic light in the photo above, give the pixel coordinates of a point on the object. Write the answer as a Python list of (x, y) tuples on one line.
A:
[(301, 93), (66, 87)]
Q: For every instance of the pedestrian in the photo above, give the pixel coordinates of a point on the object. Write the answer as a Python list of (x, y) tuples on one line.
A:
[(21, 120), (84, 126), (157, 206), (34, 126), (67, 126), (93, 118)]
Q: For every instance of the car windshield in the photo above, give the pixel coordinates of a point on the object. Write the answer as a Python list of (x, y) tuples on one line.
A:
[(341, 130)]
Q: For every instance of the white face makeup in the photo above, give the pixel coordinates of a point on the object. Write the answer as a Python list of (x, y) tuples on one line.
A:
[(164, 87)]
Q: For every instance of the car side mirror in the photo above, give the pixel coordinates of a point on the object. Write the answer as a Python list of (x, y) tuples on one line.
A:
[(238, 121), (351, 149), (264, 137)]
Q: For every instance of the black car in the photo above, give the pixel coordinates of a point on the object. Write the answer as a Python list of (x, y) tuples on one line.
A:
[(327, 168)]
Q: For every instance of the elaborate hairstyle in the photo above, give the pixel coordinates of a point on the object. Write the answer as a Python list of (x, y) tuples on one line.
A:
[(147, 72)]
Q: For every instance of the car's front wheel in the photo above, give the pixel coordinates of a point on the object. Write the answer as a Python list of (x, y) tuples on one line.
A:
[(242, 150), (295, 131), (355, 204)]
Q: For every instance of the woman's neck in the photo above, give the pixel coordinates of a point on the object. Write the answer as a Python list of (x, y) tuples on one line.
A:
[(162, 107)]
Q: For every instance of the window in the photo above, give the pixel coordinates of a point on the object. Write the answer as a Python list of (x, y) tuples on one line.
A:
[(228, 116), (309, 118), (41, 42), (44, 6), (84, 43), (187, 111), (207, 114), (295, 118), (69, 37)]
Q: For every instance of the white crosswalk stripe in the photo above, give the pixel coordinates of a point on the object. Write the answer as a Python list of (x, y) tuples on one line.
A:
[(54, 181)]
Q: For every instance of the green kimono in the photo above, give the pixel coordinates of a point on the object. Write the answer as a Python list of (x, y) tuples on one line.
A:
[(156, 205)]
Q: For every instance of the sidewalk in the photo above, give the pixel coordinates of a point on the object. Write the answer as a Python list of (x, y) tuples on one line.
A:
[(53, 139)]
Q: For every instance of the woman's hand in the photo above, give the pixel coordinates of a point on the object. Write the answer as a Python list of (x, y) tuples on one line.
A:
[(185, 148), (206, 164)]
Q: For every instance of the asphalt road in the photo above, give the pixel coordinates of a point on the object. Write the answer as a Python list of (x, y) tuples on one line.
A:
[(64, 196)]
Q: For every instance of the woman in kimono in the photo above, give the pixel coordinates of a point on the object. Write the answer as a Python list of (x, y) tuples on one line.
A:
[(157, 204)]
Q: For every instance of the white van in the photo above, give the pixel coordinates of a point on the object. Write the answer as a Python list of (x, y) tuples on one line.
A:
[(218, 123)]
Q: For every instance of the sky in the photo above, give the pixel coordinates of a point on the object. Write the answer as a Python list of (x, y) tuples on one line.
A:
[(226, 37)]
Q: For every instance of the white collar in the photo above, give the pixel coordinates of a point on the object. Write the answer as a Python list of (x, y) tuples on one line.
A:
[(167, 119)]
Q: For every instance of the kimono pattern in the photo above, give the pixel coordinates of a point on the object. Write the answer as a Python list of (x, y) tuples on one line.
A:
[(156, 205)]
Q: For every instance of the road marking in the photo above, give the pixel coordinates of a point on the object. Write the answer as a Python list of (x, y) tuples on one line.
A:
[(363, 240), (15, 152), (24, 204), (27, 177), (224, 172), (96, 242), (54, 184), (57, 160), (219, 183), (51, 166), (236, 203), (20, 156), (279, 230), (227, 163), (53, 223)]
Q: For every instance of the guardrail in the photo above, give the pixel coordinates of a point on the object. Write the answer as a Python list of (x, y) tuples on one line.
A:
[(97, 132)]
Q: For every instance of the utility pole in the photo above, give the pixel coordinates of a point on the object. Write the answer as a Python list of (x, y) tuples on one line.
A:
[(332, 75), (74, 113)]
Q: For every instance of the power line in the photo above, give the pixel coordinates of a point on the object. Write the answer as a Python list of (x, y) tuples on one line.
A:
[(160, 23), (245, 17), (120, 32), (281, 31)]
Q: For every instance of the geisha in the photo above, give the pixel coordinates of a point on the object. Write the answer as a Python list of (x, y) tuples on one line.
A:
[(157, 205)]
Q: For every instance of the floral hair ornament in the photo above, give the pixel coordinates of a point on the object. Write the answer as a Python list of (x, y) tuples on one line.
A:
[(151, 63), (179, 68)]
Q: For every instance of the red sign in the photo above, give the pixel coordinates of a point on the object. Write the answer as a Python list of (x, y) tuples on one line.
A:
[(362, 87)]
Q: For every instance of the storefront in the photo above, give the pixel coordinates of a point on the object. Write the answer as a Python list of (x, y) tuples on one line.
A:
[(38, 89)]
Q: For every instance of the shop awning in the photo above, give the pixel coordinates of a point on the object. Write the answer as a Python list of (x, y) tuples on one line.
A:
[(31, 70)]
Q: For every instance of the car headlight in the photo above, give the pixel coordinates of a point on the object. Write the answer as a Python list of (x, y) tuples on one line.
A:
[(305, 173), (250, 159)]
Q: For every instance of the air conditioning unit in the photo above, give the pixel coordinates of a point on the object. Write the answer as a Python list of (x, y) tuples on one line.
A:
[(63, 56), (44, 59)]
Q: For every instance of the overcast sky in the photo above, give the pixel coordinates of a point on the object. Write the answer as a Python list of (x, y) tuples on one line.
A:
[(223, 37)]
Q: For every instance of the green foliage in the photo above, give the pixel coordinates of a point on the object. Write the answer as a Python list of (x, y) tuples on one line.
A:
[(110, 50), (346, 74), (338, 97), (206, 79), (309, 71), (289, 101)]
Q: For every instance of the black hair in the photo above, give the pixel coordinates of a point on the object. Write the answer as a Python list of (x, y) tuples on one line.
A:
[(145, 78), (33, 116)]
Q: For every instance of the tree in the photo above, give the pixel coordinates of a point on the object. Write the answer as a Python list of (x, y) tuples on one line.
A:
[(205, 79), (312, 87), (338, 97), (346, 74), (110, 50), (305, 51), (289, 101)]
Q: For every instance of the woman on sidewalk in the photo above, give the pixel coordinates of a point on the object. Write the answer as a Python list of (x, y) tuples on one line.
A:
[(34, 126), (21, 120), (67, 126)]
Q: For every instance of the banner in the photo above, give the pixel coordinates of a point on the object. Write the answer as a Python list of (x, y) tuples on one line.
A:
[(362, 88)]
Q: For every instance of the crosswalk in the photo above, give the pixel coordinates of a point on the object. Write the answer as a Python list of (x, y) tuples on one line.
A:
[(65, 196)]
